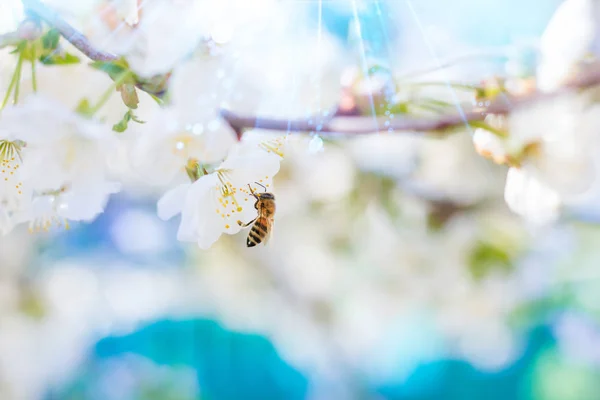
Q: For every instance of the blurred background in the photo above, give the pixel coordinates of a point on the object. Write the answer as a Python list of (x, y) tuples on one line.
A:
[(395, 271)]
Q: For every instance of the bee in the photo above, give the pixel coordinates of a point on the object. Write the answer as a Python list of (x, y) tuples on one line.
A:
[(263, 223)]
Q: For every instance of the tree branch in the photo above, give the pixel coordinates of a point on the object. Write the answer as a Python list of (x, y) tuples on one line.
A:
[(339, 123), (587, 78), (360, 124), (71, 34)]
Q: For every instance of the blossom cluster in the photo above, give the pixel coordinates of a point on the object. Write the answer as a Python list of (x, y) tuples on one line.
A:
[(374, 234), (64, 154)]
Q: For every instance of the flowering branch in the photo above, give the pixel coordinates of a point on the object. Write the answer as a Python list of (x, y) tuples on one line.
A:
[(355, 124), (71, 34), (338, 124)]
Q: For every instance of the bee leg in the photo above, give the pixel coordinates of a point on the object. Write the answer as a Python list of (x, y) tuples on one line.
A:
[(253, 193), (245, 225)]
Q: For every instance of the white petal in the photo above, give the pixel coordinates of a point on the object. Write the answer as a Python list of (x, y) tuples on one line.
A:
[(253, 168), (487, 143), (568, 37), (197, 203), (6, 222), (528, 197), (171, 203), (85, 203), (160, 52)]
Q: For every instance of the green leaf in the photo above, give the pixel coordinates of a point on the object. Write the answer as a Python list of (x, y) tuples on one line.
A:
[(113, 68), (155, 85), (487, 257), (59, 59), (123, 124), (136, 119), (31, 50), (129, 95), (50, 39)]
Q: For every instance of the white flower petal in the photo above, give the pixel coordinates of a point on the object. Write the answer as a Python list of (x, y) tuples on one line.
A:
[(85, 203), (489, 144), (568, 37), (530, 198), (197, 201), (171, 203), (250, 168)]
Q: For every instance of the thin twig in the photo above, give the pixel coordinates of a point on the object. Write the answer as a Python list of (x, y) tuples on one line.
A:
[(71, 34)]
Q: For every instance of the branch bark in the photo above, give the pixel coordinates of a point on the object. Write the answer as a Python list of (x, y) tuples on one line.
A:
[(338, 124), (587, 78), (352, 125), (71, 34)]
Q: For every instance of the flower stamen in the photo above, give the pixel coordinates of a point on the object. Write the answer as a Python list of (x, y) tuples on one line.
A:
[(273, 146), (227, 191)]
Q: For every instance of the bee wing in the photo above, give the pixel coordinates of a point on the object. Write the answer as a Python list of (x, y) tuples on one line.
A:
[(269, 231)]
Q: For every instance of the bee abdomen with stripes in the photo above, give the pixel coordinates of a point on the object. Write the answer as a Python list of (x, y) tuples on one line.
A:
[(258, 232)]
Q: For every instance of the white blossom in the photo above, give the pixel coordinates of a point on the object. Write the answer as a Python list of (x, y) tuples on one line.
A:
[(571, 35), (165, 146), (530, 198), (188, 128), (554, 144), (218, 202), (74, 203), (167, 32), (13, 195), (393, 155), (64, 162), (489, 144)]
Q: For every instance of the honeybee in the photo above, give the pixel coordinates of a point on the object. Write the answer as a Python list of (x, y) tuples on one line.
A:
[(263, 223)]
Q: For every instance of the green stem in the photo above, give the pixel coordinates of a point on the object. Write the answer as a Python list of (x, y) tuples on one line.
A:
[(109, 92), (453, 85), (13, 81), (18, 82), (33, 72), (480, 124)]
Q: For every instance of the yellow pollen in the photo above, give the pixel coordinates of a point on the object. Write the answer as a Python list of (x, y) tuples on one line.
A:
[(239, 208), (226, 226), (272, 148), (44, 223)]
